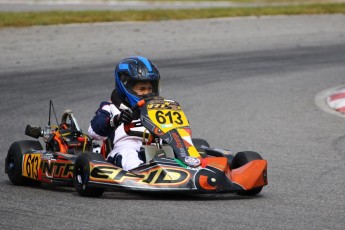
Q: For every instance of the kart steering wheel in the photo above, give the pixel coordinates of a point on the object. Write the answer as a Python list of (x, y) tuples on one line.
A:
[(127, 127)]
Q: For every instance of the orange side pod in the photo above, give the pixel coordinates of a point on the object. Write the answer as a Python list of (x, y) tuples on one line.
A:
[(217, 162), (251, 175)]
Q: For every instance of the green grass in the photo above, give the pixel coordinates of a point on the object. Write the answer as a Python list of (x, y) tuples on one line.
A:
[(196, 0), (65, 17), (242, 1)]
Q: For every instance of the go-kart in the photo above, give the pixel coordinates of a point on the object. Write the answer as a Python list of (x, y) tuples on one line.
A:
[(173, 160), (27, 163)]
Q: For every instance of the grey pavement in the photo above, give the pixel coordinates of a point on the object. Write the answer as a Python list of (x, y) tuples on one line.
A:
[(244, 83)]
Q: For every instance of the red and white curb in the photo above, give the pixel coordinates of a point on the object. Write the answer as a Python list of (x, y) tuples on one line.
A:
[(336, 100), (332, 100)]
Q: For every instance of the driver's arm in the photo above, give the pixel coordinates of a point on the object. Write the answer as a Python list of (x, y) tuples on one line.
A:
[(100, 127)]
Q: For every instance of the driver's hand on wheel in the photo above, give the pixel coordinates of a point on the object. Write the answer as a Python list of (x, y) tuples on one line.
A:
[(125, 117)]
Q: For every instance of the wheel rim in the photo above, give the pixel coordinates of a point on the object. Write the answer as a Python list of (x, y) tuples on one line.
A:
[(10, 164), (81, 177)]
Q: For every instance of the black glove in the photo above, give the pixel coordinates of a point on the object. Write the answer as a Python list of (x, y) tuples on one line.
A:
[(125, 117)]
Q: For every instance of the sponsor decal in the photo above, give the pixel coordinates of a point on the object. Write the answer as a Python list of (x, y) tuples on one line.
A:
[(224, 151), (168, 177), (110, 173), (47, 156), (227, 152), (53, 169), (192, 161), (178, 144), (156, 101), (167, 125), (37, 165), (195, 169), (177, 140), (155, 176), (166, 105)]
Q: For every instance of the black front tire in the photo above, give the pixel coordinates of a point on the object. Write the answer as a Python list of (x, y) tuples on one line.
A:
[(14, 161), (240, 159), (81, 175)]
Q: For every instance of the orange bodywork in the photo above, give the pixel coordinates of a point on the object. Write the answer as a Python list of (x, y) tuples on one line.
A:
[(63, 147), (104, 150), (250, 175), (204, 184), (219, 163), (216, 162)]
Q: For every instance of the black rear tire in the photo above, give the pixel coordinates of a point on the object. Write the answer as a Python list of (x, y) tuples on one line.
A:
[(14, 161), (240, 159), (81, 175)]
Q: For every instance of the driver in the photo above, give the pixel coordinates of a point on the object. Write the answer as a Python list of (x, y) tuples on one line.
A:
[(135, 78)]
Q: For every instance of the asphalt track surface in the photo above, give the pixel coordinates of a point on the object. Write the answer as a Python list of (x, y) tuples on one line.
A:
[(245, 84)]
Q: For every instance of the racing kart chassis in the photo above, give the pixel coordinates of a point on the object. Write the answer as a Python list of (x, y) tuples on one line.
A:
[(175, 162)]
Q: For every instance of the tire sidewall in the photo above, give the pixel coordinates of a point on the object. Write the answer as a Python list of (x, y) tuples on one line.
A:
[(15, 155), (242, 158), (83, 163)]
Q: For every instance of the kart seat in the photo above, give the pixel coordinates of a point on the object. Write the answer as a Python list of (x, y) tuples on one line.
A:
[(151, 151)]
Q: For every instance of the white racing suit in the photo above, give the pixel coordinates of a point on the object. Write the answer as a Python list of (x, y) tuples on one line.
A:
[(126, 148)]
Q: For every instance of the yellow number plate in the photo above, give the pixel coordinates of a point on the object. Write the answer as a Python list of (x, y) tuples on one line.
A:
[(31, 165), (167, 119)]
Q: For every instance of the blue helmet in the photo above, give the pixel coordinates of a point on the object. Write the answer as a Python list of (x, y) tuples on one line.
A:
[(131, 70)]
